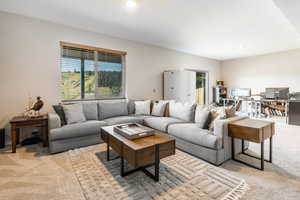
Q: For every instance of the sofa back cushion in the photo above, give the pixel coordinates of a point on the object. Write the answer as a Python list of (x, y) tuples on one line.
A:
[(74, 113), (90, 110), (112, 109), (202, 116), (183, 111)]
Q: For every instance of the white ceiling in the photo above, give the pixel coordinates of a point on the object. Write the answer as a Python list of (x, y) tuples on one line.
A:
[(220, 29), (291, 9)]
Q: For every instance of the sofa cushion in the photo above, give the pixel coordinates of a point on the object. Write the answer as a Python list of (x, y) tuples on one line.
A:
[(202, 115), (183, 111), (125, 119), (161, 123), (141, 117), (74, 113), (76, 130), (112, 109), (193, 134), (90, 110)]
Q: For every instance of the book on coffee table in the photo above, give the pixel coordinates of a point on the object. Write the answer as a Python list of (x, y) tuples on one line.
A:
[(133, 131)]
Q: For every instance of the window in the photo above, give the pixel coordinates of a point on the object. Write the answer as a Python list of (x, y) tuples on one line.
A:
[(91, 73)]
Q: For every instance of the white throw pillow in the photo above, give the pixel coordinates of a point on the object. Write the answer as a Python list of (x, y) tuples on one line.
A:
[(159, 108), (201, 115), (183, 111), (74, 113), (142, 107)]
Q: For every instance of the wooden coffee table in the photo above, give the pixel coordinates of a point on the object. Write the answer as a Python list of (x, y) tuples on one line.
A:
[(139, 153), (254, 131)]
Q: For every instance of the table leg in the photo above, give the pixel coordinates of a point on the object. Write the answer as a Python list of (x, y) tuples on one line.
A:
[(122, 162), (17, 136), (107, 147), (232, 148), (271, 141), (154, 176), (108, 158), (157, 158), (45, 135), (261, 158), (243, 145), (13, 138), (262, 162)]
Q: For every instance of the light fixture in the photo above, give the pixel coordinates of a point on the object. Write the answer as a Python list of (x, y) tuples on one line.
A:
[(131, 3)]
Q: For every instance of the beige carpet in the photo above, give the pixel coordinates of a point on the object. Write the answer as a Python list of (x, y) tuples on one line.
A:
[(31, 174), (181, 177)]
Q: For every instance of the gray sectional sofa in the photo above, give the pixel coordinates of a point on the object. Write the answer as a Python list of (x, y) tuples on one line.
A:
[(212, 146)]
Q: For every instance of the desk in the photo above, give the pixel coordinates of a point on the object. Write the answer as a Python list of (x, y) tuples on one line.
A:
[(24, 122)]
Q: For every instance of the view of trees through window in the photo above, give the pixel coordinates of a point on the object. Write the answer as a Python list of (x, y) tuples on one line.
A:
[(109, 79), (91, 75)]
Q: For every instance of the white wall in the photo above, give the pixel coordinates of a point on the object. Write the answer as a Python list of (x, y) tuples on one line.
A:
[(272, 70), (30, 66)]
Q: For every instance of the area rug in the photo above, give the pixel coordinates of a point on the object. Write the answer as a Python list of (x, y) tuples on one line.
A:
[(182, 176)]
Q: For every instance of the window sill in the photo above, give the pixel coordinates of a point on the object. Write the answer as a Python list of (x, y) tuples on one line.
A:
[(76, 100)]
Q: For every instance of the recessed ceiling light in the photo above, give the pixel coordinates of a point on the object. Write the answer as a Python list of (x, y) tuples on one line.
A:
[(131, 3)]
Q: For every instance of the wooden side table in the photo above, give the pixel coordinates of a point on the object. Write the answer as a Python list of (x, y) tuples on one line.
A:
[(23, 122), (254, 131)]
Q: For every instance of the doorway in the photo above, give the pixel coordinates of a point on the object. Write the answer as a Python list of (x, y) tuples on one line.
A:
[(201, 87)]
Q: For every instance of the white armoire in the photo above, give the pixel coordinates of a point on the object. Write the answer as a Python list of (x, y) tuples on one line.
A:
[(180, 86)]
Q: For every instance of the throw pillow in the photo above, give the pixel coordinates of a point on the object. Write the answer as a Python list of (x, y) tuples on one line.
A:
[(112, 109), (159, 108), (142, 107), (216, 113), (130, 106), (202, 115), (60, 112), (183, 111), (74, 113), (230, 112)]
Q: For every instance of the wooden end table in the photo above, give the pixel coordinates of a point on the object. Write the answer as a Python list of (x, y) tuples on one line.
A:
[(139, 153), (24, 122), (254, 131)]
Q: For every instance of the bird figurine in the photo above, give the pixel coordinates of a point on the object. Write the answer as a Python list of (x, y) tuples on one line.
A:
[(37, 106)]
